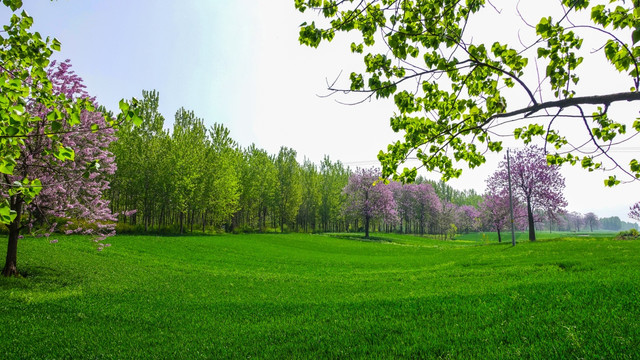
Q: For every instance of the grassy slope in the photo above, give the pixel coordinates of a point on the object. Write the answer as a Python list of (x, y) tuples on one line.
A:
[(310, 296)]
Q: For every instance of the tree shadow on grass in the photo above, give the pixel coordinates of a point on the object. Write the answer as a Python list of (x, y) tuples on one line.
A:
[(360, 237)]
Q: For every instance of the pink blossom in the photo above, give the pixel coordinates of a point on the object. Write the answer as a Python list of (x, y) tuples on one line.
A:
[(634, 212), (368, 200), (534, 183), (66, 193)]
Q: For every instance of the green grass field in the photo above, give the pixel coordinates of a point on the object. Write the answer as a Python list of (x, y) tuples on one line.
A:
[(322, 296)]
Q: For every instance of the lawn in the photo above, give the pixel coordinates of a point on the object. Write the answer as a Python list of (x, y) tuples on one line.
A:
[(322, 296)]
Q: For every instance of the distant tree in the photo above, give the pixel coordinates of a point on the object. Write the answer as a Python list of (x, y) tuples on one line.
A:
[(447, 193), (468, 218), (334, 177), (591, 219), (611, 223), (258, 186), (368, 199), (495, 211), (634, 212), (141, 185), (188, 148), (221, 184), (447, 218), (288, 195), (417, 204), (576, 219), (310, 181), (535, 183)]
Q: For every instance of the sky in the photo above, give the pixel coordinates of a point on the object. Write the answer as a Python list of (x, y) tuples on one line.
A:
[(239, 63)]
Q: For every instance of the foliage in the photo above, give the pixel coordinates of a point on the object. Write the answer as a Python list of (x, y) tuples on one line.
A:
[(447, 193), (313, 296), (288, 187), (310, 185), (453, 89), (334, 178), (258, 181), (613, 223), (630, 234), (180, 175), (453, 230)]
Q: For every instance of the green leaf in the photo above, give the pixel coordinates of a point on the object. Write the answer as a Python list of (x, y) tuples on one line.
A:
[(74, 119), (7, 165), (12, 131), (137, 120), (13, 4), (611, 181), (124, 107), (635, 35), (56, 126), (6, 214), (55, 45)]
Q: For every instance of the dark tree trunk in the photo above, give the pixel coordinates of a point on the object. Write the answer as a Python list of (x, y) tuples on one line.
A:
[(499, 236), (10, 265), (532, 230), (192, 220), (181, 223), (366, 227)]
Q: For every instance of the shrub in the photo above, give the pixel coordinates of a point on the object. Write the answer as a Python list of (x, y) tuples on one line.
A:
[(630, 234)]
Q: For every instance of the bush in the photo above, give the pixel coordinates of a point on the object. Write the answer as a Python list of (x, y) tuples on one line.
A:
[(630, 234)]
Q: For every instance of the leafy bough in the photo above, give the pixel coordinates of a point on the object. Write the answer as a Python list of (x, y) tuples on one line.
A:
[(466, 90)]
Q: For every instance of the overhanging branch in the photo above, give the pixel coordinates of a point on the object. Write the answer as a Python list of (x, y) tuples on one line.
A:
[(582, 100)]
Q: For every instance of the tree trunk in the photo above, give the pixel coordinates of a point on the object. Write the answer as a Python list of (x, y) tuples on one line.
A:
[(10, 266), (499, 236), (366, 227), (532, 230)]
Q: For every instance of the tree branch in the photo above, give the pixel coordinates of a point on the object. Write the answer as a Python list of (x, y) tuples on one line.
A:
[(581, 100)]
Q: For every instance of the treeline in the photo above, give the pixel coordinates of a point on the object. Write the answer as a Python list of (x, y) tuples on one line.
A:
[(577, 222), (199, 178), (195, 177)]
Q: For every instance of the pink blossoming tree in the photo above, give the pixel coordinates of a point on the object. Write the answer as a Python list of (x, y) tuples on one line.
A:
[(368, 200), (417, 205), (536, 184), (72, 183)]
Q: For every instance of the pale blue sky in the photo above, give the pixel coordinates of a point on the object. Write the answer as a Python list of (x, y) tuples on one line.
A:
[(193, 52), (238, 62)]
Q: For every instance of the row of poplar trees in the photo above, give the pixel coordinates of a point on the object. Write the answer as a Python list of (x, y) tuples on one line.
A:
[(199, 178)]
